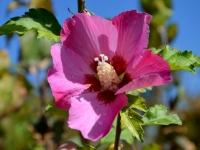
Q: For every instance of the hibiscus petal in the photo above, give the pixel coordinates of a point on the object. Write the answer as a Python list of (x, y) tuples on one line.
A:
[(133, 33), (89, 36), (93, 118), (67, 77), (152, 70)]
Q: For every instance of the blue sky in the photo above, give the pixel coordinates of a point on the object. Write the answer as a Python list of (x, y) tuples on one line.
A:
[(185, 13)]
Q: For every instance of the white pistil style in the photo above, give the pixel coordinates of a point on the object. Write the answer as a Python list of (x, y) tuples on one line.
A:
[(107, 74)]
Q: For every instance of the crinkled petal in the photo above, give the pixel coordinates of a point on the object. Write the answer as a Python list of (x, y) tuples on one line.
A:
[(133, 33), (89, 36), (93, 118), (67, 77), (152, 70)]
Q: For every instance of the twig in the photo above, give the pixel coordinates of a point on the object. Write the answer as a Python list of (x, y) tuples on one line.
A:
[(118, 132), (81, 5)]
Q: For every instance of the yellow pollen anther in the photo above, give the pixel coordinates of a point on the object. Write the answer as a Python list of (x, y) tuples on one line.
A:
[(107, 74)]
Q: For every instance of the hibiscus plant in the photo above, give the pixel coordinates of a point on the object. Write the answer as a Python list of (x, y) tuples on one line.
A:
[(100, 66)]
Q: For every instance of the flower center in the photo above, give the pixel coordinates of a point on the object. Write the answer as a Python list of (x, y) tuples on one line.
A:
[(107, 74)]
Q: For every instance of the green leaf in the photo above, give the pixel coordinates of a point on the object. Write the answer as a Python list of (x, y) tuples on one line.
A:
[(138, 91), (179, 60), (136, 102), (110, 137), (127, 136), (38, 19), (131, 119), (86, 147), (152, 146), (157, 116), (55, 111)]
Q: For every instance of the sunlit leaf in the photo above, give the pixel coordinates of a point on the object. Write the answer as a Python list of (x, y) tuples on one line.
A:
[(132, 120), (157, 116), (39, 19), (138, 91), (179, 60), (136, 102)]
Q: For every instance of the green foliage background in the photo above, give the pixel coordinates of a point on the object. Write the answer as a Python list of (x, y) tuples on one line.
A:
[(24, 123)]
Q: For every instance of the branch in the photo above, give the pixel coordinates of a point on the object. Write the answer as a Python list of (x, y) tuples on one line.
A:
[(118, 132), (81, 5)]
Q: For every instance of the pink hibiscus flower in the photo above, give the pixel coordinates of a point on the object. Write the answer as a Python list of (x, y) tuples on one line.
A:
[(97, 62)]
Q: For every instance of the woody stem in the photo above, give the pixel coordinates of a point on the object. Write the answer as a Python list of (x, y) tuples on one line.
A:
[(118, 132), (81, 5)]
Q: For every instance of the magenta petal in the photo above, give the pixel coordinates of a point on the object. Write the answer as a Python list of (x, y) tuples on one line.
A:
[(93, 118), (150, 64), (67, 77), (89, 36), (69, 63), (133, 33), (152, 70)]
